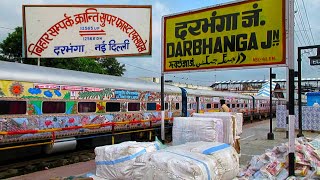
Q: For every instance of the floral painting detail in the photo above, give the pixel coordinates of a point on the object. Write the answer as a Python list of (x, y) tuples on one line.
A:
[(71, 107), (67, 95), (101, 107), (93, 95), (16, 89), (31, 110), (48, 94), (57, 93)]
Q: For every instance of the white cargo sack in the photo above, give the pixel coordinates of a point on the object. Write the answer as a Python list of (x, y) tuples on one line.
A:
[(239, 120), (197, 160), (227, 130), (116, 161), (192, 129), (238, 116)]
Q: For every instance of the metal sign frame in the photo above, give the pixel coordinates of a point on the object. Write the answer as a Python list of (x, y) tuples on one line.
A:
[(283, 63), (147, 44)]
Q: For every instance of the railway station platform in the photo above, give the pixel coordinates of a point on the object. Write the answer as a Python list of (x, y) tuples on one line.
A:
[(253, 142)]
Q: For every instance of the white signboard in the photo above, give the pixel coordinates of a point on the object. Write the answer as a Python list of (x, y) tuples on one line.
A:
[(62, 31)]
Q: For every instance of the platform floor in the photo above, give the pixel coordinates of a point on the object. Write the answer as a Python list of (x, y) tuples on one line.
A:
[(253, 142)]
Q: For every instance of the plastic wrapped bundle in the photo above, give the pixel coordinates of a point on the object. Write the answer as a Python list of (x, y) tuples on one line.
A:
[(225, 156), (116, 161), (192, 129), (238, 119), (228, 127), (197, 160)]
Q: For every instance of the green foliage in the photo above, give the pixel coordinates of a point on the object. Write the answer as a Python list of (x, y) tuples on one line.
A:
[(112, 66), (1, 93), (93, 95), (67, 95), (11, 47), (31, 97), (11, 50)]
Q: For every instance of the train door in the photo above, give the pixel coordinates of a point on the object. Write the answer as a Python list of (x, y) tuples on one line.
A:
[(184, 101), (197, 104)]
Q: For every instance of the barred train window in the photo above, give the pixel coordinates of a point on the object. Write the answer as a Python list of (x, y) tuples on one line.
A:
[(13, 107), (151, 106), (233, 105), (189, 106), (53, 107), (133, 106), (112, 107), (177, 106), (166, 106), (84, 107), (216, 106), (208, 106)]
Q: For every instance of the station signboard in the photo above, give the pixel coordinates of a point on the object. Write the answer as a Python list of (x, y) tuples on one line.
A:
[(315, 61), (236, 35), (64, 31)]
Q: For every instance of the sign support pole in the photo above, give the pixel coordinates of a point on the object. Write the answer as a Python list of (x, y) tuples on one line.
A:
[(162, 83), (299, 94), (290, 11), (162, 108), (270, 134)]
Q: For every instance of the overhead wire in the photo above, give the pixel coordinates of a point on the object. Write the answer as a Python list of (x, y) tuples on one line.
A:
[(304, 7), (302, 22), (2, 27)]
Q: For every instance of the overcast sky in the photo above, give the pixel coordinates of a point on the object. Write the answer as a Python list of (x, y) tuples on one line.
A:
[(11, 17)]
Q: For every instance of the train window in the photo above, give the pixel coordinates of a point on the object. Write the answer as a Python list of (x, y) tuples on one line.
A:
[(233, 105), (246, 105), (151, 106), (238, 105), (189, 106), (177, 106), (13, 107), (84, 107), (228, 105), (208, 106), (216, 106), (133, 106), (112, 107), (166, 106), (53, 107)]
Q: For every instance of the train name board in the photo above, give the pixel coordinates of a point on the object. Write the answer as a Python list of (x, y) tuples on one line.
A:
[(242, 34), (314, 62), (66, 31)]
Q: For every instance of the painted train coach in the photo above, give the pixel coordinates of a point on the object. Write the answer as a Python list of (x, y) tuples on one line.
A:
[(41, 104)]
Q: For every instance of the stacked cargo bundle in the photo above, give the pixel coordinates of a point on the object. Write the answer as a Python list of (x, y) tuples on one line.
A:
[(192, 129), (116, 161), (231, 126), (273, 164), (195, 160)]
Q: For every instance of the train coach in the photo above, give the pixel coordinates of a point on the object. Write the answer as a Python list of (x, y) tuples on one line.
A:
[(47, 106)]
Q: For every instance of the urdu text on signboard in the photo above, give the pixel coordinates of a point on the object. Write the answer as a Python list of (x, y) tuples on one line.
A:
[(242, 34), (64, 31)]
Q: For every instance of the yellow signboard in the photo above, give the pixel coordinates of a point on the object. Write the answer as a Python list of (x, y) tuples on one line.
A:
[(247, 33)]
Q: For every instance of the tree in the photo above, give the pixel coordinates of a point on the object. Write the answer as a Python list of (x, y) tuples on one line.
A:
[(111, 65), (11, 47), (11, 50)]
